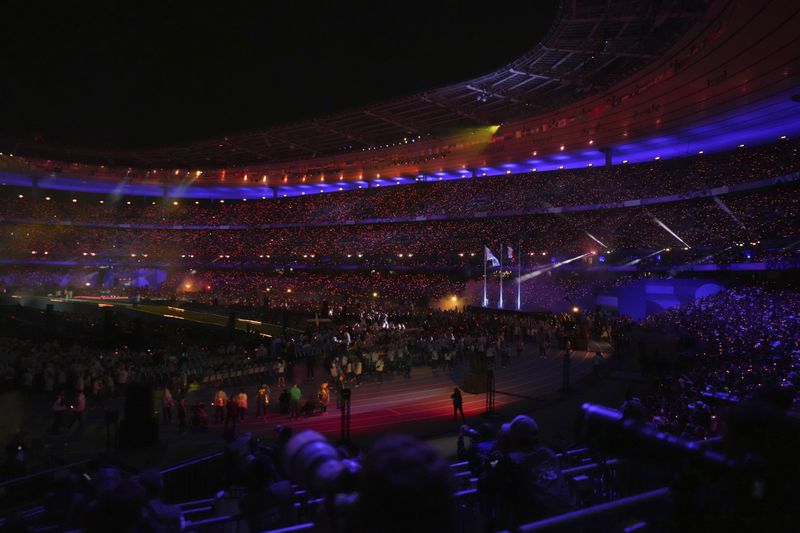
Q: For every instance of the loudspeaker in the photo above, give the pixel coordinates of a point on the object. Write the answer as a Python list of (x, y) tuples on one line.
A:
[(139, 426), (139, 401), (474, 382)]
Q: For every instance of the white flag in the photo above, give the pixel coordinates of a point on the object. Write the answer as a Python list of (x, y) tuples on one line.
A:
[(489, 256)]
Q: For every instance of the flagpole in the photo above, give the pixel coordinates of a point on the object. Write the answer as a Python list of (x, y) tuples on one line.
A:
[(485, 259), (519, 275), (500, 303)]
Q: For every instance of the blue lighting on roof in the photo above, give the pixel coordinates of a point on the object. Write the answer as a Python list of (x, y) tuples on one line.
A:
[(759, 122)]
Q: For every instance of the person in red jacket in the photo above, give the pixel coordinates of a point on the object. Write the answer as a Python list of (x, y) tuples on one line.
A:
[(220, 401), (241, 401)]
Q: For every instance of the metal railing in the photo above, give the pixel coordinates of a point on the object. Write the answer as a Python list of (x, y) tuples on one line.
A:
[(604, 516), (195, 479)]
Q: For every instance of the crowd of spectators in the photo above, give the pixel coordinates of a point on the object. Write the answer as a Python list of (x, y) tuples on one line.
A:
[(462, 198), (324, 292), (765, 222), (734, 345), (736, 227), (282, 289)]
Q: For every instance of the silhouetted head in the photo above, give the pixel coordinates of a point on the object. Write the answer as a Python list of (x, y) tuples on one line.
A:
[(406, 486)]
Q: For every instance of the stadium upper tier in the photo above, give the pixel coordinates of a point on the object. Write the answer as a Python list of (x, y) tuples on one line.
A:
[(611, 82), (506, 195), (741, 204)]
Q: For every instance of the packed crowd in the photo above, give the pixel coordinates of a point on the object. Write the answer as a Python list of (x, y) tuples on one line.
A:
[(765, 221), (484, 195), (736, 344), (309, 290), (281, 289)]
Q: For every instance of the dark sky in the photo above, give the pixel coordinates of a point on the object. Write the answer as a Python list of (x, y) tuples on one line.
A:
[(140, 74)]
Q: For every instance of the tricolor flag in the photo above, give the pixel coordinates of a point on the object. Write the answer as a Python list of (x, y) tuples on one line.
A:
[(511, 255), (489, 256)]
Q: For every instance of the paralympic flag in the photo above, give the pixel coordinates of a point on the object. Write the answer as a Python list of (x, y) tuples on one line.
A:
[(489, 256), (511, 254)]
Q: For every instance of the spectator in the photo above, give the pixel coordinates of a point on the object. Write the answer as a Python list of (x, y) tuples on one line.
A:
[(406, 486), (527, 481)]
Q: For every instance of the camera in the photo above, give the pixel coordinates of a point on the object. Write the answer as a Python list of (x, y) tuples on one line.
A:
[(313, 461)]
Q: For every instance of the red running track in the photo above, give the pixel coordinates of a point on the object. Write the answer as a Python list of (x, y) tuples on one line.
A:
[(423, 401)]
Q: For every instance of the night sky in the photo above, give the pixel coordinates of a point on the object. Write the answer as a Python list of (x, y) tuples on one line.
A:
[(154, 74)]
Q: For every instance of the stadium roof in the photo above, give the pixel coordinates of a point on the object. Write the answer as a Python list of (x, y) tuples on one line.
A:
[(592, 45)]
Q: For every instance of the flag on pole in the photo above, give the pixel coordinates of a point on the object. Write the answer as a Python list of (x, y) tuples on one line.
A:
[(500, 302), (519, 278), (489, 256), (510, 254)]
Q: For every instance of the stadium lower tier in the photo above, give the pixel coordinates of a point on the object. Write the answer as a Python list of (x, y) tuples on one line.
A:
[(310, 291), (331, 294), (761, 224)]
